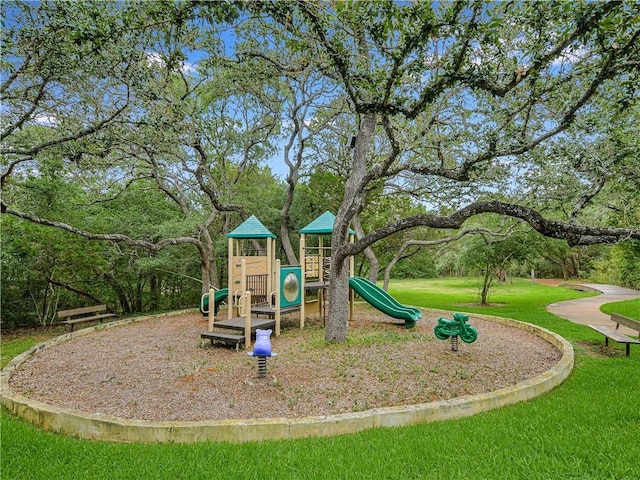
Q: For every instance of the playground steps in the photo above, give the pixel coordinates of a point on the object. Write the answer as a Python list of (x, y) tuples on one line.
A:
[(235, 325), (267, 311), (229, 339)]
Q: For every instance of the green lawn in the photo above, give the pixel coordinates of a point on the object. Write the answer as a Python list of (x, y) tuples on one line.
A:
[(588, 428), (628, 308)]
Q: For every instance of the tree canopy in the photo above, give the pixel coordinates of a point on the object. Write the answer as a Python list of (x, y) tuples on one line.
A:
[(465, 109)]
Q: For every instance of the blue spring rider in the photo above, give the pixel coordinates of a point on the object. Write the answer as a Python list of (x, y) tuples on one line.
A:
[(458, 327), (262, 350)]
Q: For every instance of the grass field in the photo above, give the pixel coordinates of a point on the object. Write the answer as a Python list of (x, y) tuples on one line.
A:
[(629, 308), (588, 428)]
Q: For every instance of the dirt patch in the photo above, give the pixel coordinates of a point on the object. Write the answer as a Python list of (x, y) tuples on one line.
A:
[(554, 282), (600, 350), (158, 369), (479, 305)]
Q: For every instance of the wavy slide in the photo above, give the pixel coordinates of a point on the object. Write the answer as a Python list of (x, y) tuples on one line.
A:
[(384, 302)]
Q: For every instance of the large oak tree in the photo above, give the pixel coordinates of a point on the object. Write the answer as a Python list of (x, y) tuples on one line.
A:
[(470, 98)]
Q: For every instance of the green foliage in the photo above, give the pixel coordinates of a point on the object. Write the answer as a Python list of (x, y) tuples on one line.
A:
[(491, 257), (621, 265), (109, 130), (37, 263), (420, 265)]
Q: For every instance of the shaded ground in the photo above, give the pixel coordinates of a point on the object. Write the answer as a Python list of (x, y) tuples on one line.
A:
[(158, 370)]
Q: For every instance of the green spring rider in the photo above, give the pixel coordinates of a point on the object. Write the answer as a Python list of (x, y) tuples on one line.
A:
[(458, 327)]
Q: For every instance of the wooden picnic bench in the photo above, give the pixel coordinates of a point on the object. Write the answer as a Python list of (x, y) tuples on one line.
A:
[(84, 314), (614, 334)]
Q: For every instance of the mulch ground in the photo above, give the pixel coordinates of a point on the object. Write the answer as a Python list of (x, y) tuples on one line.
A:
[(160, 370)]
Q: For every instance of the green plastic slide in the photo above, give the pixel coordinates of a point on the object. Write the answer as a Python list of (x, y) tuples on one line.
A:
[(219, 297), (384, 302)]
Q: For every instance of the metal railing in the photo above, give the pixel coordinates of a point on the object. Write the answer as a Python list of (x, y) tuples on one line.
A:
[(257, 285)]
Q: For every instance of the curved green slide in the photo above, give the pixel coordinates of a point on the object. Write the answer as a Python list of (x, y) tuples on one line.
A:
[(219, 297), (384, 302)]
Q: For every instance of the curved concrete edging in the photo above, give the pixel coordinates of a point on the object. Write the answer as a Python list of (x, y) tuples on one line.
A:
[(109, 428)]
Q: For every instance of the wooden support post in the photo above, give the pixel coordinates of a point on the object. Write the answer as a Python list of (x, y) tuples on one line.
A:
[(271, 257), (247, 318), (212, 308), (278, 280), (303, 269), (230, 280)]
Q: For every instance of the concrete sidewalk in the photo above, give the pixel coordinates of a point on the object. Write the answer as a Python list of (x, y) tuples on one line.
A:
[(586, 311)]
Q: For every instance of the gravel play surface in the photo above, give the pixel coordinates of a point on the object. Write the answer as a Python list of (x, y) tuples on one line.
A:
[(159, 369)]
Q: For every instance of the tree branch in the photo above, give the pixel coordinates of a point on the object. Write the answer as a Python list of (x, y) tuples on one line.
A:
[(113, 237), (574, 234), (200, 172)]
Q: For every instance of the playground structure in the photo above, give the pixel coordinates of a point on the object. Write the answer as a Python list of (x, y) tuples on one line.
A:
[(260, 290)]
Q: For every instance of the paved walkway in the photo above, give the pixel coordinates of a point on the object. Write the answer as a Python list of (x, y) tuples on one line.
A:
[(586, 311)]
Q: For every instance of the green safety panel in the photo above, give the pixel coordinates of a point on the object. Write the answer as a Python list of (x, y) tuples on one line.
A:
[(290, 283)]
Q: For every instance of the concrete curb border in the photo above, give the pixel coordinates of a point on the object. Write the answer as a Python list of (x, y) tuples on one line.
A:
[(114, 429)]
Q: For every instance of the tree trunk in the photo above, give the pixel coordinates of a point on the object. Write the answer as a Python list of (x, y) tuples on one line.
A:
[(138, 293), (208, 263), (565, 270), (154, 287), (292, 259), (486, 284), (292, 181), (337, 323)]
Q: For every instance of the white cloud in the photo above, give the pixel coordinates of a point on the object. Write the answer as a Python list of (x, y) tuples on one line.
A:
[(188, 67), (154, 58), (44, 119), (572, 54)]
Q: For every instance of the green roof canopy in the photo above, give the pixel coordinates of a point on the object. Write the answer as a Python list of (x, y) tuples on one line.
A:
[(322, 225), (251, 228)]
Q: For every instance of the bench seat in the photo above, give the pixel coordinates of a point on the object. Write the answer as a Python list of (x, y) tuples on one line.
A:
[(615, 335), (79, 315), (88, 319)]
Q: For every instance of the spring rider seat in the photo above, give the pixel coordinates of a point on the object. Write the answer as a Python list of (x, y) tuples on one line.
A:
[(458, 327), (262, 350)]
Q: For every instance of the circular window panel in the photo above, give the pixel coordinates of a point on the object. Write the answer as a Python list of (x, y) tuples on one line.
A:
[(291, 287)]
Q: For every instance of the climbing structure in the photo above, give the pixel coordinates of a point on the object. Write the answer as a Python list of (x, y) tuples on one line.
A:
[(259, 290), (315, 260), (253, 242)]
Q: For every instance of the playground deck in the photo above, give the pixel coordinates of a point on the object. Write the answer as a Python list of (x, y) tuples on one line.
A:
[(238, 323), (317, 285)]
